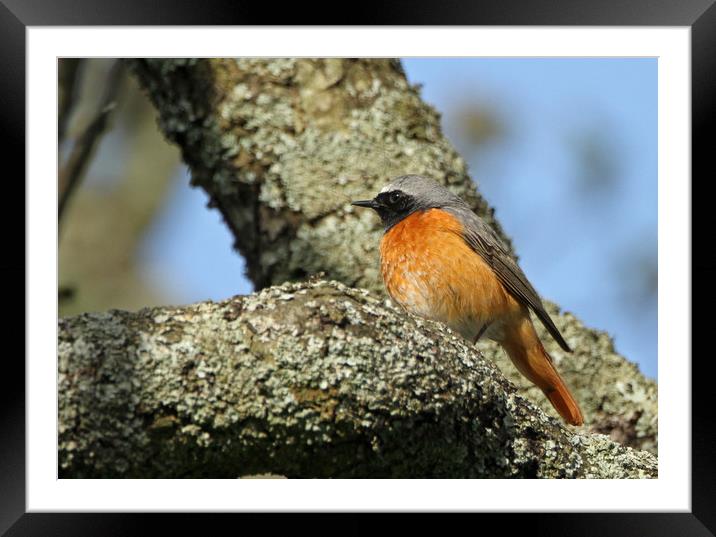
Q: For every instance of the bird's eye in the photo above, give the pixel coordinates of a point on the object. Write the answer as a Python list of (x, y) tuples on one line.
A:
[(394, 197)]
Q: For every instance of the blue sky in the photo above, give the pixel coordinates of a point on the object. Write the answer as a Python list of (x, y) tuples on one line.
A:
[(579, 236)]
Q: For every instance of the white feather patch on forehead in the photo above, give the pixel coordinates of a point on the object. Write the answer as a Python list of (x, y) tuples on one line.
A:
[(386, 188)]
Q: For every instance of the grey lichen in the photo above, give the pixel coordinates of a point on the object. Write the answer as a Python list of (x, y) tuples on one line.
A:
[(303, 380)]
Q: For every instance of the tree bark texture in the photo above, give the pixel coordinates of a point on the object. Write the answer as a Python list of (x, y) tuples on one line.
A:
[(303, 380), (282, 146)]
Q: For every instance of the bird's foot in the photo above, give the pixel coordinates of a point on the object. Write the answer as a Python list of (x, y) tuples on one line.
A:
[(482, 331)]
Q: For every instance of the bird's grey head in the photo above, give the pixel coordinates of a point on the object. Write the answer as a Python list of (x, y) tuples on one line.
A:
[(407, 194)]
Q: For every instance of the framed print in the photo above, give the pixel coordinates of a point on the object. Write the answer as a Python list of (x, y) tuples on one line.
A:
[(291, 133)]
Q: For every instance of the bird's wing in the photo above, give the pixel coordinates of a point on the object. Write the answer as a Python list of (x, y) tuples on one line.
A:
[(484, 241)]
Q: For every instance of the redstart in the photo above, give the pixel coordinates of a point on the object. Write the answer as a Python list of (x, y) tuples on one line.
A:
[(441, 261)]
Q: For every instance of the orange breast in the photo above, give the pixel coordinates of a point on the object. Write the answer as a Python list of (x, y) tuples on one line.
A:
[(429, 270)]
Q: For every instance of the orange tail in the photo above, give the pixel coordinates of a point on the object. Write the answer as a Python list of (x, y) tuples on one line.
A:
[(564, 403), (531, 359)]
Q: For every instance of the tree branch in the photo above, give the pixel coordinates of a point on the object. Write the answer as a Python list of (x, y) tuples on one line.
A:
[(73, 170), (302, 380), (68, 72)]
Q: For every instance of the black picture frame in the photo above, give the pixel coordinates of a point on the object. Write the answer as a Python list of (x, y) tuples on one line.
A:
[(699, 15)]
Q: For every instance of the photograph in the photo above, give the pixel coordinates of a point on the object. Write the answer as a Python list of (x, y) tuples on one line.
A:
[(424, 261), (357, 267)]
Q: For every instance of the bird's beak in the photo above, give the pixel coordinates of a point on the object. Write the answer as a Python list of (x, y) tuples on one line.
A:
[(371, 204)]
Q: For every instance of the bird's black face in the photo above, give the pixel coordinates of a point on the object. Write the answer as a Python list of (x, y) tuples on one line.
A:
[(391, 206)]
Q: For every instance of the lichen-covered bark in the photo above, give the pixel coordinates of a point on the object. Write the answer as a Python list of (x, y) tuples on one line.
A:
[(303, 380), (283, 145)]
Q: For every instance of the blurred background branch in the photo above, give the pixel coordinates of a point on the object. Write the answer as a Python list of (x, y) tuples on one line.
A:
[(69, 70), (128, 172), (73, 169)]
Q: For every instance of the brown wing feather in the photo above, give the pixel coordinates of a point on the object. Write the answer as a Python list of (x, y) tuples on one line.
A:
[(483, 240)]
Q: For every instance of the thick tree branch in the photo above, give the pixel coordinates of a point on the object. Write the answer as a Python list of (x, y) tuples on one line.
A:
[(282, 146), (302, 380)]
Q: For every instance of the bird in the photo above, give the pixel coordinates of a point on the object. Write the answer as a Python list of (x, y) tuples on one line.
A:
[(441, 261)]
